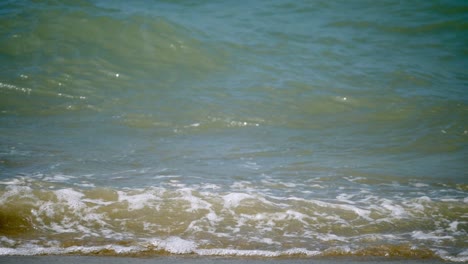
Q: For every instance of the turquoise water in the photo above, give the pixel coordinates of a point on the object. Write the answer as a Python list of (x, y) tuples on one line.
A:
[(262, 128)]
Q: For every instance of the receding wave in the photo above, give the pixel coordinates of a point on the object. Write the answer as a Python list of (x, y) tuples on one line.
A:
[(42, 217)]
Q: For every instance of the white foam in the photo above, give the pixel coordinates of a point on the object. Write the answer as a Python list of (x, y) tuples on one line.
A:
[(429, 236), (420, 185), (14, 191), (210, 186), (301, 251), (251, 165), (166, 176), (175, 245), (236, 252), (15, 181), (61, 228), (58, 178), (331, 237), (9, 251), (46, 208), (234, 199), (424, 199), (264, 240), (255, 253), (288, 184), (6, 240), (396, 210), (354, 179), (449, 200), (344, 197), (32, 250), (453, 226), (196, 203), (211, 216), (94, 217), (316, 186), (296, 215), (97, 202), (376, 237), (460, 257), (71, 197), (139, 201), (363, 213), (85, 185)]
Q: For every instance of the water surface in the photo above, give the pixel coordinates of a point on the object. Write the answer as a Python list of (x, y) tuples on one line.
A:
[(274, 128)]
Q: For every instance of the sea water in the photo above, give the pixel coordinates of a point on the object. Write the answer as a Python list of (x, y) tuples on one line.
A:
[(235, 128)]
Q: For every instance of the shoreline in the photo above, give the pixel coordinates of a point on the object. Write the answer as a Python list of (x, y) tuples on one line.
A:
[(79, 259)]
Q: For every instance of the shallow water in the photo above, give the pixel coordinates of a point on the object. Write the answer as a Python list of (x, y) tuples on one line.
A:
[(218, 128)]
